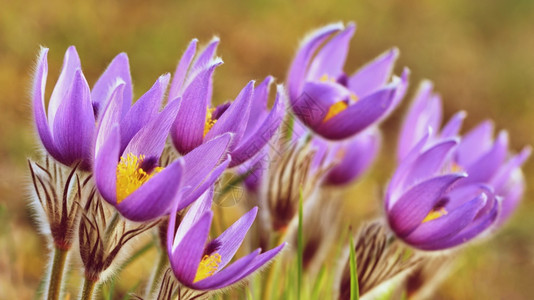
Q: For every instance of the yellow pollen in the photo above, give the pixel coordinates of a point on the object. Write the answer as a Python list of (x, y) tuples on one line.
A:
[(130, 175), (207, 267), (456, 167), (435, 214), (335, 109), (326, 78), (209, 121)]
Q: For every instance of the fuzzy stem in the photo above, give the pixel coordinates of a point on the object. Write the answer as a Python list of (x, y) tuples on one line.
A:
[(88, 289), (267, 291), (158, 273), (56, 274)]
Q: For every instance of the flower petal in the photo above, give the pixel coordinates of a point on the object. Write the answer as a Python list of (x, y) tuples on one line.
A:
[(357, 116), (452, 128), (300, 64), (414, 205), (264, 133), (144, 110), (74, 125), (185, 258), (193, 215), (374, 75), (330, 59), (105, 168), (110, 116), (150, 140), (231, 239), (188, 129), (71, 63), (235, 118), (475, 143), (258, 107), (182, 70), (206, 54), (38, 102), (155, 197), (487, 165), (117, 70)]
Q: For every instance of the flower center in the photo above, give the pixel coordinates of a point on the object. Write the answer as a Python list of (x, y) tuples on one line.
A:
[(435, 214), (207, 267), (209, 120), (335, 109), (131, 175)]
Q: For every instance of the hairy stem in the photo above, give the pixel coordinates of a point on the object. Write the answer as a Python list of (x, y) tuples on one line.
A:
[(56, 273), (158, 273), (88, 289)]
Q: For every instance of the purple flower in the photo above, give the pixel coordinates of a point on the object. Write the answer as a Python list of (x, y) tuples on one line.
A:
[(198, 121), (128, 149), (332, 104), (67, 131), (351, 158), (203, 264), (486, 160), (428, 207)]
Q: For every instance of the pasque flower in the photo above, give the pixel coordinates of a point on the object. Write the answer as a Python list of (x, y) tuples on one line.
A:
[(129, 145), (202, 264), (428, 207), (352, 157), (198, 121), (332, 104), (487, 160)]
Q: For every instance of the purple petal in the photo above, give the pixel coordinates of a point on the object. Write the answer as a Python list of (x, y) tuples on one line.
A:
[(117, 70), (74, 125), (299, 66), (235, 118), (193, 215), (155, 197), (317, 97), (181, 70), (357, 116), (187, 132), (105, 168), (374, 75), (250, 146), (110, 116), (71, 63), (231, 239), (41, 122), (144, 110), (185, 257), (448, 224), (512, 196), (331, 57), (226, 276), (206, 54), (485, 167), (258, 107), (357, 156), (475, 143), (452, 128), (505, 172), (414, 205), (150, 140)]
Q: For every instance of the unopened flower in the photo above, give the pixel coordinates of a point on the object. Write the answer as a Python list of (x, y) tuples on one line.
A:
[(198, 121), (202, 264), (332, 104), (424, 206)]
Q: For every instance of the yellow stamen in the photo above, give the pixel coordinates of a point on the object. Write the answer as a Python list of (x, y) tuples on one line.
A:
[(456, 168), (435, 214), (130, 175), (207, 267), (209, 120), (335, 109), (326, 78)]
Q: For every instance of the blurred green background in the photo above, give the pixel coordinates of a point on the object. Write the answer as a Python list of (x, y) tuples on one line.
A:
[(480, 55)]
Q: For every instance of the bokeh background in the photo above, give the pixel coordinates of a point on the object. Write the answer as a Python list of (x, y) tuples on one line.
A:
[(480, 55)]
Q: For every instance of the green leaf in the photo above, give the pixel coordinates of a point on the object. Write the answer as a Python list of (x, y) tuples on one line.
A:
[(300, 249), (354, 289)]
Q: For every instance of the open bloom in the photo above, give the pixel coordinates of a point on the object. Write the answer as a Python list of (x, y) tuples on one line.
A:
[(487, 160), (428, 207), (352, 157), (128, 148), (198, 121), (332, 104), (203, 264)]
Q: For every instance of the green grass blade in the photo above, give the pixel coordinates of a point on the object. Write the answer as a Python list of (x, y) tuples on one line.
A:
[(300, 250), (354, 289)]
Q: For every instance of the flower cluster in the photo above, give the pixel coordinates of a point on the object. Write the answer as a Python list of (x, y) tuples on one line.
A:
[(128, 166)]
